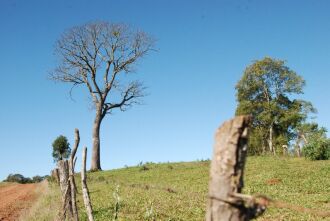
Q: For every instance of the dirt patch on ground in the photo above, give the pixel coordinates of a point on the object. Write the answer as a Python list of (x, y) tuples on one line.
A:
[(273, 181), (15, 198)]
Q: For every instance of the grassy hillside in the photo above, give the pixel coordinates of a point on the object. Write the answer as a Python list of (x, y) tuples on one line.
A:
[(178, 191)]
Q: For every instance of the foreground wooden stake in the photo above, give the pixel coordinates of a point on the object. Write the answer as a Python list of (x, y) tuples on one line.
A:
[(226, 173), (63, 169), (71, 177), (85, 192)]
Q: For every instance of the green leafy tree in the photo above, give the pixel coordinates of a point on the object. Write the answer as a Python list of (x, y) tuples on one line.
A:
[(265, 92), (61, 148), (317, 146)]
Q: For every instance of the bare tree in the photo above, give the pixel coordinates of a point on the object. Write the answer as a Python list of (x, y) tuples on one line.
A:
[(100, 56)]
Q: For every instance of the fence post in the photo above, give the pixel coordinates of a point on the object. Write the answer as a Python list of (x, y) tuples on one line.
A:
[(63, 169), (85, 192), (226, 172), (55, 175), (71, 176)]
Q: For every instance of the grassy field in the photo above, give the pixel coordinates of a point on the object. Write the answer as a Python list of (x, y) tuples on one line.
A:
[(178, 191)]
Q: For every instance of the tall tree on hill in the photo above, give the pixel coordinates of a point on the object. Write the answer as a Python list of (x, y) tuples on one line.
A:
[(265, 91), (100, 56)]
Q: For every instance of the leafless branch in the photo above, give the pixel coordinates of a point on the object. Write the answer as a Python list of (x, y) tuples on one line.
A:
[(129, 96), (113, 49)]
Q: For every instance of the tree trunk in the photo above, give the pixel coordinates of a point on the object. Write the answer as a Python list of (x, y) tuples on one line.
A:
[(270, 141), (298, 149), (96, 161), (304, 138), (297, 146)]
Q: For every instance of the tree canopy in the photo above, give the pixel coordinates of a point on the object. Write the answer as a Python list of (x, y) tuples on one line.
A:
[(266, 92), (61, 148)]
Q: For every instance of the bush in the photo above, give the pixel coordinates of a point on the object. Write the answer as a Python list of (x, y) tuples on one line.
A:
[(101, 178), (317, 148), (37, 179), (18, 178)]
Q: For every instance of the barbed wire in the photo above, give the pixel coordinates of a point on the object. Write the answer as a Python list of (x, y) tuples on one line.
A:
[(260, 202)]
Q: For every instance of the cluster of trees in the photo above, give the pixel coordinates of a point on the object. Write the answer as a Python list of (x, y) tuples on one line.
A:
[(19, 178), (280, 122)]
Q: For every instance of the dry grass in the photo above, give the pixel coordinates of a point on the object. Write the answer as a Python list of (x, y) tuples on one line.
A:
[(46, 207)]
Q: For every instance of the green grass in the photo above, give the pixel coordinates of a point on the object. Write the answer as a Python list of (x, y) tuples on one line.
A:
[(171, 191), (178, 191), (298, 182)]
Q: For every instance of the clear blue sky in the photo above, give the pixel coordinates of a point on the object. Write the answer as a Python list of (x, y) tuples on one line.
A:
[(204, 47)]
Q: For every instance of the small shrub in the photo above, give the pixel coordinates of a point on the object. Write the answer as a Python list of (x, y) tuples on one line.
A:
[(93, 170), (170, 167), (170, 190), (144, 168), (150, 214), (101, 179), (37, 179)]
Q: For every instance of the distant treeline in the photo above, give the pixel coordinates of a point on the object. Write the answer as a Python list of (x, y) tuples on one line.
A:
[(19, 178)]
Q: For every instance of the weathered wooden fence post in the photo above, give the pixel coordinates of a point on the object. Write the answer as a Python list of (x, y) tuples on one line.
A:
[(71, 176), (63, 168), (85, 192), (226, 173), (55, 175)]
